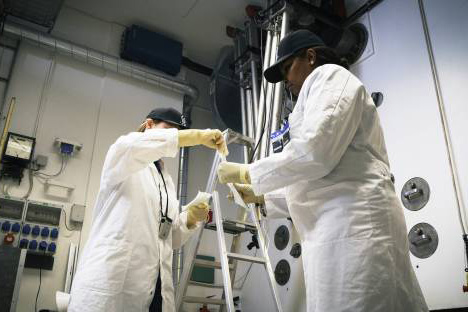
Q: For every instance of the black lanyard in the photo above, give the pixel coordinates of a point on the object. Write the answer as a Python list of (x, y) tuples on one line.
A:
[(158, 167)]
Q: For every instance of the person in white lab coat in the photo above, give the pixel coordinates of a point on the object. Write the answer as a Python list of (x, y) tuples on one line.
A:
[(333, 180), (127, 246)]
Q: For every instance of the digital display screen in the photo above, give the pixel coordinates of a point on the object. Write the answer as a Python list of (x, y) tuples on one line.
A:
[(19, 147)]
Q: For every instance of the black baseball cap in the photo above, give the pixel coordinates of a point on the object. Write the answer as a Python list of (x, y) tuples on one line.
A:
[(169, 115), (289, 45)]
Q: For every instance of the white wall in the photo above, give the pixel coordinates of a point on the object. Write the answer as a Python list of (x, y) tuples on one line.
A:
[(82, 103), (410, 117), (447, 28)]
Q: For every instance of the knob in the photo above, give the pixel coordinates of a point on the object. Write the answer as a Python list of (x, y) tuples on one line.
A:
[(43, 245), (52, 247), (26, 229), (23, 243), (45, 232), (54, 233), (15, 228), (6, 226), (9, 239), (33, 245), (35, 231)]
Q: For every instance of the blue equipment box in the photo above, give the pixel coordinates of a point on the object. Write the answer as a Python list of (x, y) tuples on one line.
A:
[(154, 50)]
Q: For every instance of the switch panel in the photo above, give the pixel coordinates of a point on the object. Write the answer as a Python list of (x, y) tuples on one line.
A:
[(11, 220), (40, 231)]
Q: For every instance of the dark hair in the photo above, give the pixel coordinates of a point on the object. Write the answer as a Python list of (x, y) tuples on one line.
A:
[(325, 55)]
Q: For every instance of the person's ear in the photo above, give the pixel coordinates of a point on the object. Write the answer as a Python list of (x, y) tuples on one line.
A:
[(149, 123), (311, 57)]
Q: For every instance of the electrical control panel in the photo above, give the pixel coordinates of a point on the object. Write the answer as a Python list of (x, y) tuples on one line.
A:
[(41, 227), (11, 220)]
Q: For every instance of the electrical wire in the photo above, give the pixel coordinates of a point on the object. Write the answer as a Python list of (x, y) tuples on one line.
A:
[(264, 111), (31, 183), (38, 289), (194, 4), (244, 276), (62, 168), (65, 221)]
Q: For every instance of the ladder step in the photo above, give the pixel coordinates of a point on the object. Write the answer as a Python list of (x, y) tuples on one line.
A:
[(233, 227), (209, 264), (190, 299), (206, 285), (245, 258)]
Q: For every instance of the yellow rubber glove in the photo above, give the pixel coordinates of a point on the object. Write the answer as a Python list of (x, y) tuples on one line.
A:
[(210, 138), (247, 194), (197, 213), (229, 172)]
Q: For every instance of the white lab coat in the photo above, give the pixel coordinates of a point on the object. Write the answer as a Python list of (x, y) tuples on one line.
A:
[(333, 179), (118, 268)]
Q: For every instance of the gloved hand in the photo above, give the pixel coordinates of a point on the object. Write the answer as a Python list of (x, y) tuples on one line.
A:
[(196, 213), (229, 172), (210, 138), (247, 194)]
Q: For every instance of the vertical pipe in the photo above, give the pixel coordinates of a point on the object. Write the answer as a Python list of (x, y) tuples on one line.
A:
[(263, 88), (178, 255), (277, 103), (253, 42), (237, 54), (250, 113), (264, 148), (443, 118)]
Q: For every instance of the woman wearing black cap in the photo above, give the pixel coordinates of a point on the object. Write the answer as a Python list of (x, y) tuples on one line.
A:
[(333, 180), (136, 221)]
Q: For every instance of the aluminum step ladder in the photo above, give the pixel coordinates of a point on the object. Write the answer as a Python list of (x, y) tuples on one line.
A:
[(228, 260)]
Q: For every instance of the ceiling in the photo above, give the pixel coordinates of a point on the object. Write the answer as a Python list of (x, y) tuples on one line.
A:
[(198, 24)]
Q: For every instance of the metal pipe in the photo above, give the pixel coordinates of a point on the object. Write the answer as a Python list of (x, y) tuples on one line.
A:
[(102, 60), (253, 41), (279, 86), (264, 148), (263, 88), (178, 255), (237, 54), (250, 113), (443, 118)]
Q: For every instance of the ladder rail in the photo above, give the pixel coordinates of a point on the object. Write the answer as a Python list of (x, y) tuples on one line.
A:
[(268, 267), (228, 260), (192, 251), (223, 254)]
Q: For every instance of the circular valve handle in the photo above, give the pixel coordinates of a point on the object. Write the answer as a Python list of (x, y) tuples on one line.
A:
[(9, 239)]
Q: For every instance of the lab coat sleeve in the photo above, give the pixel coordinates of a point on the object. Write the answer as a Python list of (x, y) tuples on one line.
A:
[(135, 151), (180, 232), (332, 113), (276, 205)]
